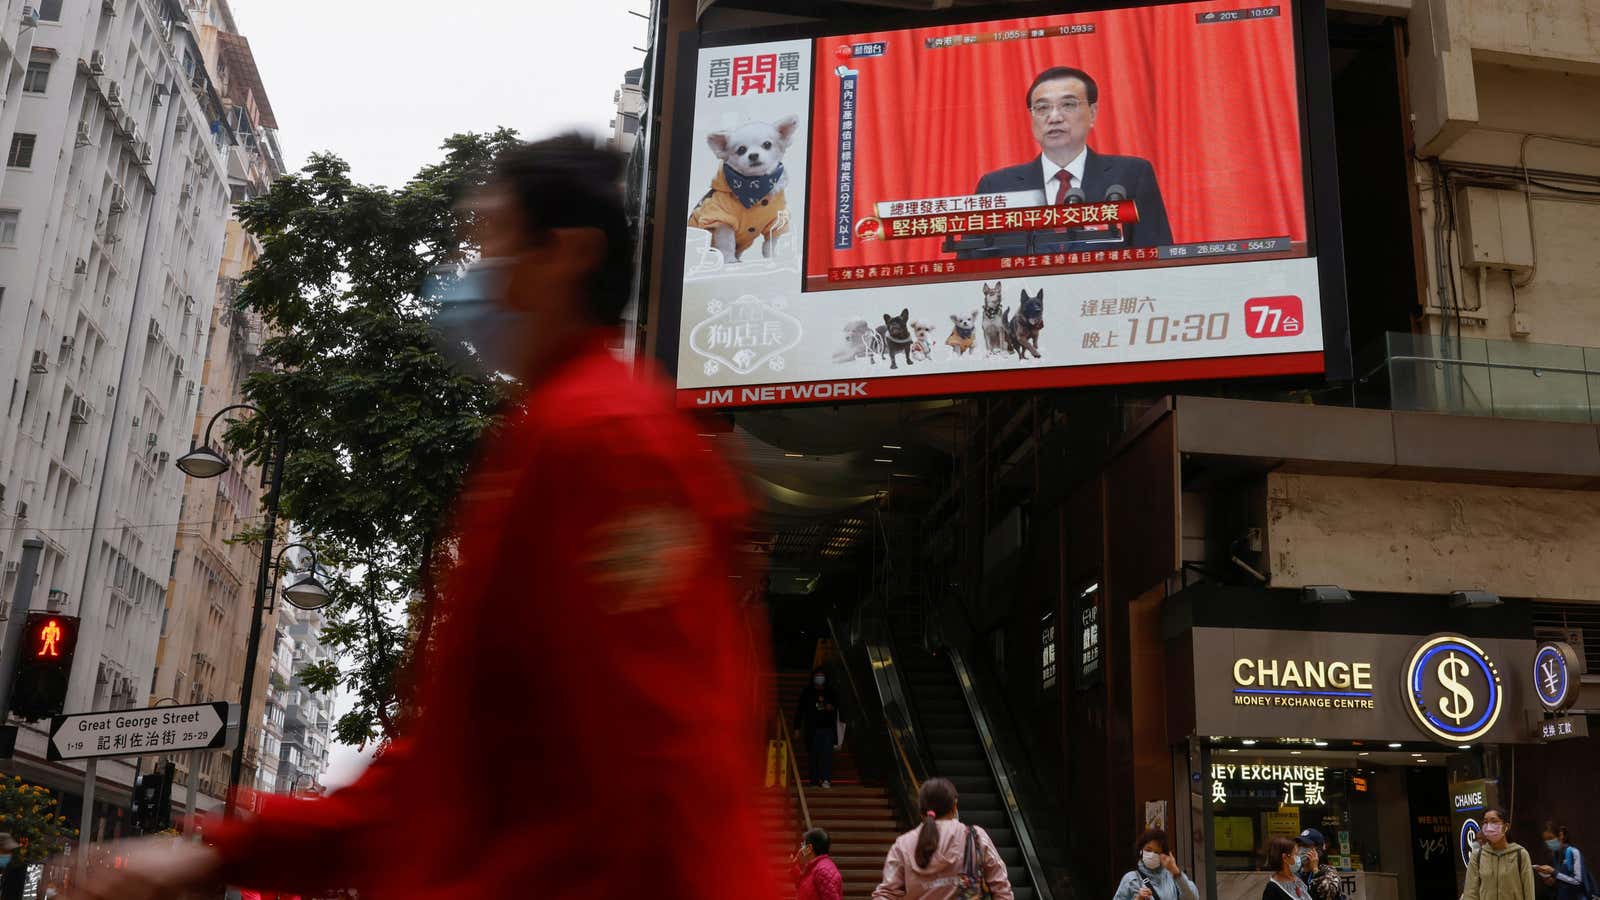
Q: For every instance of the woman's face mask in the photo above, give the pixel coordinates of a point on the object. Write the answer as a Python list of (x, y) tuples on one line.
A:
[(1150, 859), (1493, 830), (471, 314), (818, 680), (1553, 843)]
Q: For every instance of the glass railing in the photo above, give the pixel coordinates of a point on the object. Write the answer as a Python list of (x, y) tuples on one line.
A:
[(1479, 377)]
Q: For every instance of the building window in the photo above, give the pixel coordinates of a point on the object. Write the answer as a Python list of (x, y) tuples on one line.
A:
[(49, 10), (8, 227), (37, 78), (21, 155)]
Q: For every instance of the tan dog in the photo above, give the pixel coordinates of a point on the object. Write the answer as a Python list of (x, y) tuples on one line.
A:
[(964, 336)]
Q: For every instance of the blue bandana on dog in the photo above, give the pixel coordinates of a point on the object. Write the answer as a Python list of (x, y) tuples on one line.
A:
[(751, 188)]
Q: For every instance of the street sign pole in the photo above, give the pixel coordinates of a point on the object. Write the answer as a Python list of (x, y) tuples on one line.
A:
[(86, 819), (21, 603), (193, 795)]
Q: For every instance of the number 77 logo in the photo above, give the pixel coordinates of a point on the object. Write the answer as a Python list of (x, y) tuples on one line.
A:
[(1268, 317)]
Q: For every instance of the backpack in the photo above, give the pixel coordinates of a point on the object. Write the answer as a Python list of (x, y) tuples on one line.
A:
[(1591, 884)]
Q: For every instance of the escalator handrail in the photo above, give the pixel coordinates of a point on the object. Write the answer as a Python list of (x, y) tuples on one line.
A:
[(1019, 825), (883, 704)]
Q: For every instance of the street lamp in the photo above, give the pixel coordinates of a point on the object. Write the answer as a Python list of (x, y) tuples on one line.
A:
[(306, 591), (204, 462)]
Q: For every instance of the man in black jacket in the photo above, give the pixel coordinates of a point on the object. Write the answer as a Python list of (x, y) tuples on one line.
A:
[(816, 724), (1063, 103)]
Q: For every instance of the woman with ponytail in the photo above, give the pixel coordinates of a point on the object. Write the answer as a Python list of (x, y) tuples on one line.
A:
[(942, 859)]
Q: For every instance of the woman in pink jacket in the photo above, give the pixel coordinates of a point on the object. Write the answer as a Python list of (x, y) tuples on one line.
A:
[(930, 862)]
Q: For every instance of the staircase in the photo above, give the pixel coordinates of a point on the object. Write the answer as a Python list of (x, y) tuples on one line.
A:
[(859, 818), (946, 728)]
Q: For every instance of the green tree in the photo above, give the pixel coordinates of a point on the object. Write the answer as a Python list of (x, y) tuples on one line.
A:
[(30, 814), (381, 427)]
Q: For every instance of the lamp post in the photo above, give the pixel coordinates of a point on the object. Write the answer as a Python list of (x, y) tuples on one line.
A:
[(205, 462)]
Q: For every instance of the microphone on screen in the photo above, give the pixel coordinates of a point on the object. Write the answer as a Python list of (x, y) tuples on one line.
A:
[(1115, 193), (1074, 196)]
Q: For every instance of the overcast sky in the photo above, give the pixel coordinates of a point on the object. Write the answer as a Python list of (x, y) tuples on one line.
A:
[(382, 83)]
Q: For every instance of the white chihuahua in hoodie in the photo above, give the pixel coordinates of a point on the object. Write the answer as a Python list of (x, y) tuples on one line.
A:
[(746, 199)]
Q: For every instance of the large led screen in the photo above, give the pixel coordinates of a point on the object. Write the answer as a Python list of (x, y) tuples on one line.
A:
[(1090, 198)]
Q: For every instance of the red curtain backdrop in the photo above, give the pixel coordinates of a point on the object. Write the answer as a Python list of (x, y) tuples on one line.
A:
[(1214, 107)]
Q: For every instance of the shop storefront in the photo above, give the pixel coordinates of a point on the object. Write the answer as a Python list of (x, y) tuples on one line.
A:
[(1390, 744)]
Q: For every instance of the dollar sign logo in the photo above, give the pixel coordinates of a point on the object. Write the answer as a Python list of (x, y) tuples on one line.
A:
[(1451, 669)]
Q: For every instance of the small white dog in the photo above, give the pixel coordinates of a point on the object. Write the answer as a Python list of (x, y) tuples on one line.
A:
[(747, 199)]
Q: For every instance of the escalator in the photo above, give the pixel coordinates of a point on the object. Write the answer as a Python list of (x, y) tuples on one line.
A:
[(955, 744)]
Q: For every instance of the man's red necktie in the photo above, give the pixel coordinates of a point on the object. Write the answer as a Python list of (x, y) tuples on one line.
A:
[(1065, 178)]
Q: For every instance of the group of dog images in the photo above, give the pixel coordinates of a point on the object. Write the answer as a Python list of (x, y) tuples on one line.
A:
[(900, 336)]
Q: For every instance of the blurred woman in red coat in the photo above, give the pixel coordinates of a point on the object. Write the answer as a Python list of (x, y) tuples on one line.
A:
[(588, 680), (816, 877)]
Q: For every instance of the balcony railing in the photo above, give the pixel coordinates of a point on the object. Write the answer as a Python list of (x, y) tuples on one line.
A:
[(1479, 377)]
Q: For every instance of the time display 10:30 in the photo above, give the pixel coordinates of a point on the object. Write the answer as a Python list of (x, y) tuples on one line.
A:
[(1164, 329)]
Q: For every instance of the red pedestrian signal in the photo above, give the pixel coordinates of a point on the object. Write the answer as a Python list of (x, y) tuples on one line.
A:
[(39, 688), (50, 640)]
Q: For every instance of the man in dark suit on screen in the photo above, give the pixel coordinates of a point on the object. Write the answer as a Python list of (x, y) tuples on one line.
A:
[(1062, 103)]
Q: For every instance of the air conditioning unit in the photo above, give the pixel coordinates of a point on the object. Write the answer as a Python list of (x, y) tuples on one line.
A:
[(177, 367), (119, 199), (83, 135), (136, 421), (114, 93), (41, 362), (81, 267), (183, 122), (186, 193), (56, 598), (162, 457), (108, 7), (81, 410), (68, 344), (129, 126), (30, 17), (188, 388), (188, 304), (150, 439), (145, 156), (97, 62), (155, 330), (22, 509), (12, 567)]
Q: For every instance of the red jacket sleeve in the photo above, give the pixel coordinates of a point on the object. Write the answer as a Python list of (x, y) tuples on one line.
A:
[(314, 844)]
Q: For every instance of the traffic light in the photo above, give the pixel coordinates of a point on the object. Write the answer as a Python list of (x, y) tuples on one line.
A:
[(152, 800), (39, 688)]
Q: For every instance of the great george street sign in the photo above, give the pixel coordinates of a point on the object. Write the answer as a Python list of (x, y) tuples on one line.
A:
[(139, 732)]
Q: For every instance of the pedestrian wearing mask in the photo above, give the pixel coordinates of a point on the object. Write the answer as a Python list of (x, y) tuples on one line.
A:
[(1156, 876), (1321, 879), (594, 564), (816, 724), (1285, 857), (815, 875), (943, 859), (1568, 876), (1499, 869)]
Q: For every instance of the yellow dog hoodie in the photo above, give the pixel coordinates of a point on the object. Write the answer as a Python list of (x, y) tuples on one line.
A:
[(747, 204)]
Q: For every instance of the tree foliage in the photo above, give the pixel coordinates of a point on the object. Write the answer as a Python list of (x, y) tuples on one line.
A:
[(381, 428), (29, 814)]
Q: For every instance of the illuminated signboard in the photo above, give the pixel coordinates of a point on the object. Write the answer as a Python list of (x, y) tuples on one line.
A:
[(1031, 202), (1296, 785)]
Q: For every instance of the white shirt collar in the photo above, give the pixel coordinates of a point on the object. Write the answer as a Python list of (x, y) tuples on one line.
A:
[(1075, 167)]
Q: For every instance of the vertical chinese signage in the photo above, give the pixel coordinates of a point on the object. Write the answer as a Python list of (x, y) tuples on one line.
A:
[(1047, 652), (844, 196), (1088, 611)]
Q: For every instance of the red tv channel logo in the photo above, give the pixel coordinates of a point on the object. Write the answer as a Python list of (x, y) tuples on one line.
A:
[(1270, 317)]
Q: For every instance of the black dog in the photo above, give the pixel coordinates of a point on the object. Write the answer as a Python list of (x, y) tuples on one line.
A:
[(1022, 333), (896, 336)]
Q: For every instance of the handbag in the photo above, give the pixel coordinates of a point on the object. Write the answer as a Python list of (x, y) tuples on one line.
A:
[(973, 886)]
